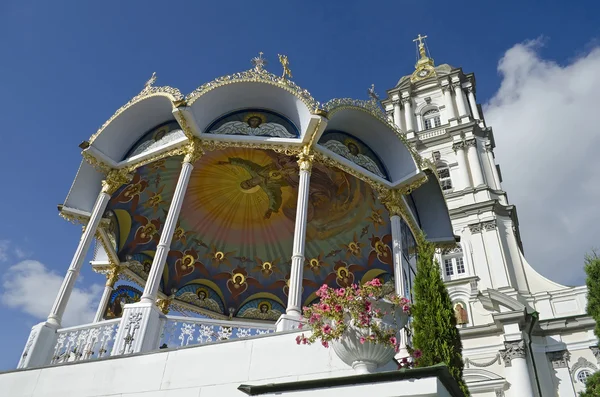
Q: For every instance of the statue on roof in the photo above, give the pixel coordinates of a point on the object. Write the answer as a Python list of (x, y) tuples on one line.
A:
[(286, 66)]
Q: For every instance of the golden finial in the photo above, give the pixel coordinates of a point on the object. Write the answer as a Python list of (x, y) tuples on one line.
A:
[(150, 81), (286, 66), (421, 45), (259, 62)]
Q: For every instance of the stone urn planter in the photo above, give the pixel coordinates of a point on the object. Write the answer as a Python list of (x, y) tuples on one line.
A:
[(361, 323), (355, 348)]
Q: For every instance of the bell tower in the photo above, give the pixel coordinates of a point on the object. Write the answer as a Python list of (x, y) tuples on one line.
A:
[(436, 108)]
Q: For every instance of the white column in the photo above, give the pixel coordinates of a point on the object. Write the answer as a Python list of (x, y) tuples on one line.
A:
[(140, 325), (473, 103), (111, 278), (113, 182), (293, 311), (460, 100), (397, 114), (463, 181), (490, 155), (474, 164), (396, 223), (164, 244), (449, 103), (560, 364), (517, 372), (408, 116)]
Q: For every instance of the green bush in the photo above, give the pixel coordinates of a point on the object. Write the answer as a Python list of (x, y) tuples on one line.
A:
[(592, 269)]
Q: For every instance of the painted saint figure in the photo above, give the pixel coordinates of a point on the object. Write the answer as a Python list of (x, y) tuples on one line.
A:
[(254, 124), (462, 317), (351, 151)]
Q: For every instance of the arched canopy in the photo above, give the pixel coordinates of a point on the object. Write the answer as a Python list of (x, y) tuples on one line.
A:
[(381, 138), (213, 104), (116, 138)]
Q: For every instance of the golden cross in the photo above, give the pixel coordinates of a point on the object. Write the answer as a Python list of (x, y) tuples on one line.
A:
[(420, 39)]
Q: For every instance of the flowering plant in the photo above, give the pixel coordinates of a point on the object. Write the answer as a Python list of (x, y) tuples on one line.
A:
[(357, 306)]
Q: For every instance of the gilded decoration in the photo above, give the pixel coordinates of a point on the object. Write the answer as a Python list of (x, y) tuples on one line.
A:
[(115, 179), (149, 90), (256, 75), (254, 122), (232, 247), (285, 64)]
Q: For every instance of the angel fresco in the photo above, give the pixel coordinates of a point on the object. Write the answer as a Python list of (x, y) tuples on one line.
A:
[(202, 298), (254, 124), (263, 311), (351, 151)]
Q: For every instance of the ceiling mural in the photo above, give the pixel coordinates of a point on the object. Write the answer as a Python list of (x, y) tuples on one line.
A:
[(254, 122), (232, 248), (157, 137), (353, 149)]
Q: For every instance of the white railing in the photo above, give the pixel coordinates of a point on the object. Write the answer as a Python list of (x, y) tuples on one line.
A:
[(186, 331), (85, 342), (431, 133)]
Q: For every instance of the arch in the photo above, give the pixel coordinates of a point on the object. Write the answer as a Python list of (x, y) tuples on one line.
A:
[(156, 138), (254, 122), (146, 111), (211, 102), (399, 160)]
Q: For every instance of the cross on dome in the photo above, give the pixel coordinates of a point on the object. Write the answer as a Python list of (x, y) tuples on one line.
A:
[(259, 62)]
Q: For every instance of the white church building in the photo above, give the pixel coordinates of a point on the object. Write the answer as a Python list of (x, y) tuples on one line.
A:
[(216, 216)]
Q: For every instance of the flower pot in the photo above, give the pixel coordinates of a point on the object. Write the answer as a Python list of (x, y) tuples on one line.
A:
[(365, 357)]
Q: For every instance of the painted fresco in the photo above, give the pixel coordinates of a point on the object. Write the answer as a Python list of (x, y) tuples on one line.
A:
[(157, 137), (231, 252), (254, 122), (354, 150), (121, 296)]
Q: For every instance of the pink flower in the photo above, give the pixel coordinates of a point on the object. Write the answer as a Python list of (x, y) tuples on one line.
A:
[(362, 340), (341, 292), (355, 286), (298, 339), (300, 325), (327, 329), (338, 308), (397, 348), (417, 353), (372, 337), (393, 340), (367, 305), (304, 341), (325, 307), (375, 282), (406, 308), (325, 343)]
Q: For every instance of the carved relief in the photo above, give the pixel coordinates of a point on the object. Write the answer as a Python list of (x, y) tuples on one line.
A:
[(512, 350), (475, 228), (596, 351), (559, 359)]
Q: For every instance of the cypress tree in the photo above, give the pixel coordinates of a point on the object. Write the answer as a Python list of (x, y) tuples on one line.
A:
[(434, 325), (592, 270)]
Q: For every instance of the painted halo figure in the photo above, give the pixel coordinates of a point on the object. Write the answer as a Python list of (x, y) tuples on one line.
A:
[(254, 124), (351, 151), (462, 317), (263, 311)]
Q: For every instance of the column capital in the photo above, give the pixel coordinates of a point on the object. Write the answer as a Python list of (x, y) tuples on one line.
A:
[(305, 159), (596, 352), (396, 102), (163, 305), (559, 359), (512, 350), (115, 179), (460, 145), (193, 151), (456, 84), (406, 99), (446, 88), (471, 89), (471, 142)]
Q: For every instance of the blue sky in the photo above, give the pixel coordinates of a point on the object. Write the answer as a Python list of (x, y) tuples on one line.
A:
[(68, 65)]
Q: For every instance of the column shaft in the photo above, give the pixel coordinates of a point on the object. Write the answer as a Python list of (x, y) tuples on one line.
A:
[(463, 181), (60, 303), (408, 116), (460, 100), (473, 104), (294, 306), (449, 103), (103, 303), (396, 223), (495, 176), (164, 244), (474, 163), (397, 114)]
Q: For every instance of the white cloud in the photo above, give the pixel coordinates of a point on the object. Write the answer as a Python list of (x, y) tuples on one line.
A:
[(4, 247), (546, 120), (30, 287), (20, 253)]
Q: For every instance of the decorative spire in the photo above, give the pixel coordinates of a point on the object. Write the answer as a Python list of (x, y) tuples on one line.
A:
[(372, 94), (259, 62), (150, 81), (425, 67), (421, 45)]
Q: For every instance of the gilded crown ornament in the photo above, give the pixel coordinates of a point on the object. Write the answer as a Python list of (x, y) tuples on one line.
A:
[(259, 63)]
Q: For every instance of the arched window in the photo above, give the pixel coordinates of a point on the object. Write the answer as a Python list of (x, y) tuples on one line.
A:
[(583, 375), (453, 264), (431, 119)]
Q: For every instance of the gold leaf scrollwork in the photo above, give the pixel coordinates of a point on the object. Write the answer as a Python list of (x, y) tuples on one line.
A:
[(94, 162), (393, 201), (163, 305), (115, 179), (193, 151), (112, 275), (305, 159)]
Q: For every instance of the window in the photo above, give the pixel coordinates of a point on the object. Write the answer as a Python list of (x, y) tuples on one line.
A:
[(583, 375), (448, 268), (431, 119), (454, 263), (444, 175)]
